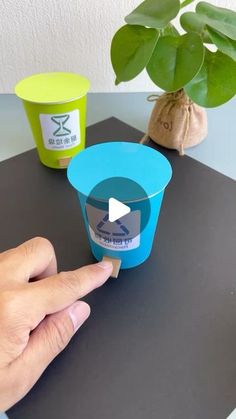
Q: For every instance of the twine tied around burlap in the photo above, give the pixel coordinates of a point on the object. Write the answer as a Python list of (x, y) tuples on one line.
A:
[(176, 121)]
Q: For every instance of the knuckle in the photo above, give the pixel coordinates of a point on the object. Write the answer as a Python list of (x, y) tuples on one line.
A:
[(70, 281), (31, 245), (43, 241), (60, 334), (87, 273), (86, 277)]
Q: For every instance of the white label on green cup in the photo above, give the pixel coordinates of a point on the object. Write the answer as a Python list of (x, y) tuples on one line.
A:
[(60, 131), (118, 235)]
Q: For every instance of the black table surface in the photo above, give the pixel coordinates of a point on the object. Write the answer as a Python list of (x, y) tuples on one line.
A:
[(161, 340)]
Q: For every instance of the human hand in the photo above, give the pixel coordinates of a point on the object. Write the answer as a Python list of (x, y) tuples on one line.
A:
[(38, 319)]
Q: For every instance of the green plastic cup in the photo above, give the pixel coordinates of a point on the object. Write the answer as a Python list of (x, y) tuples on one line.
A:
[(55, 104)]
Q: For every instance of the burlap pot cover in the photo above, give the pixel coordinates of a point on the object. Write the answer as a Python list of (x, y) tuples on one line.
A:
[(176, 121)]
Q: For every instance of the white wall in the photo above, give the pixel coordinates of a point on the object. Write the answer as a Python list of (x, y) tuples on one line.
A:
[(71, 35)]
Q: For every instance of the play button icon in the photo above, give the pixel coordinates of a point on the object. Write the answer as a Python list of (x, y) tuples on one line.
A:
[(117, 209)]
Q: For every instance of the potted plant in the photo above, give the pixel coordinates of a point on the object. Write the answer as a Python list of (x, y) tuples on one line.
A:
[(196, 68)]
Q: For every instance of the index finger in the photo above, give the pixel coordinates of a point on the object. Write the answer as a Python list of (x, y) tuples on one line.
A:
[(57, 292)]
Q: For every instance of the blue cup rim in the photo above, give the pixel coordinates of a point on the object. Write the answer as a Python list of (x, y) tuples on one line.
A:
[(138, 162)]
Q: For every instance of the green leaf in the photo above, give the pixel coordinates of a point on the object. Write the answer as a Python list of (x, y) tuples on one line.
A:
[(192, 22), (223, 43), (215, 83), (186, 3), (219, 18), (154, 13), (131, 49), (175, 61), (169, 30)]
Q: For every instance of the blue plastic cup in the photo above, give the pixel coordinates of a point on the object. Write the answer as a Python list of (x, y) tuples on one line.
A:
[(142, 165)]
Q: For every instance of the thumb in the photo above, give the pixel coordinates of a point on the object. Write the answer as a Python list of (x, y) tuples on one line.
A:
[(54, 333), (50, 337)]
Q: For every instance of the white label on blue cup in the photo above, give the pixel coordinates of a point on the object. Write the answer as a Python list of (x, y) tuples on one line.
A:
[(60, 131), (114, 243), (118, 235)]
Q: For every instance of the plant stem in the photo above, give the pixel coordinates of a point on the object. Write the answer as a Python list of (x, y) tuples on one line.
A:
[(186, 3)]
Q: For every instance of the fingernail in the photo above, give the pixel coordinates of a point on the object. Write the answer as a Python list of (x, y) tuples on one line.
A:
[(78, 312), (105, 264)]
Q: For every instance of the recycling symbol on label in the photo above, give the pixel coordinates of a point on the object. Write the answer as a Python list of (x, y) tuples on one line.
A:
[(122, 227)]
